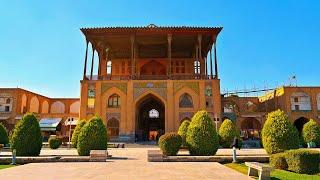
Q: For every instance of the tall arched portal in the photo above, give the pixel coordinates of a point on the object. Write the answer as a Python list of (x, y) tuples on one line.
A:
[(150, 118), (298, 123)]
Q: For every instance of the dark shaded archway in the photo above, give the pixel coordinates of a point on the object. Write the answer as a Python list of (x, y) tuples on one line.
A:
[(153, 68), (298, 123), (150, 118), (250, 128)]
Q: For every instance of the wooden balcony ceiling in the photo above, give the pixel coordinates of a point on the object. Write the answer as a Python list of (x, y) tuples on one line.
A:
[(151, 41)]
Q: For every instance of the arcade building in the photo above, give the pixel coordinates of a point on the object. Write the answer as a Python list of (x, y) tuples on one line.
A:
[(149, 79)]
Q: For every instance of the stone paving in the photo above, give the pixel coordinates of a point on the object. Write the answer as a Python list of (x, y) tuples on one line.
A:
[(135, 167)]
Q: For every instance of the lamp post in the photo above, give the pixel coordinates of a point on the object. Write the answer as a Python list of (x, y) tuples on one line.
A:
[(216, 121), (70, 121)]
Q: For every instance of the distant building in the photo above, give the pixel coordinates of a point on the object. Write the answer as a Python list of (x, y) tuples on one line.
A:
[(54, 114)]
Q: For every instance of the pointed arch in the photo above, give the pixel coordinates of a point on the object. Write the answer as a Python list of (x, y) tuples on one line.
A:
[(34, 105), (185, 101), (57, 107), (24, 103), (45, 107), (75, 107)]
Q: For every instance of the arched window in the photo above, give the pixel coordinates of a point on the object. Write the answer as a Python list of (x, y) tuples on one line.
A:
[(114, 101), (109, 67), (185, 101), (153, 113), (196, 67), (300, 102), (113, 127)]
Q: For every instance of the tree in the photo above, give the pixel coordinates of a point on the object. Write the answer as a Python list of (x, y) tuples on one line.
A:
[(311, 132), (4, 139), (227, 132), (183, 131), (26, 138), (278, 134), (202, 139), (75, 134), (93, 136)]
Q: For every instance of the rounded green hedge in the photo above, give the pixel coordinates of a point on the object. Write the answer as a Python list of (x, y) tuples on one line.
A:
[(278, 134), (75, 134), (183, 131), (26, 138), (170, 143), (4, 139), (278, 161), (303, 161), (202, 139), (227, 132), (54, 142), (311, 132), (93, 136)]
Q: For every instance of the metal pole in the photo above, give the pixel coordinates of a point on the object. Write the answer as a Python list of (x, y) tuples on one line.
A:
[(14, 153), (69, 133)]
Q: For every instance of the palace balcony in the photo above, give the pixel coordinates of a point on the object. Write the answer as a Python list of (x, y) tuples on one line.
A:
[(148, 77)]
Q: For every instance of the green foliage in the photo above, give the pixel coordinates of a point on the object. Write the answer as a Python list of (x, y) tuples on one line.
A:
[(303, 161), (26, 137), (311, 132), (227, 132), (278, 134), (183, 131), (75, 134), (54, 142), (202, 139), (93, 136), (170, 143), (4, 139), (278, 161)]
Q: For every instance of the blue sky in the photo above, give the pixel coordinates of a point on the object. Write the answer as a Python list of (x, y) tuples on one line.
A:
[(263, 43)]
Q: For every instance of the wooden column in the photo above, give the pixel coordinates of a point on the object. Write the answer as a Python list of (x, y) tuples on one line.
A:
[(92, 63), (169, 68), (132, 38), (215, 60), (211, 69), (200, 56), (85, 61), (205, 67)]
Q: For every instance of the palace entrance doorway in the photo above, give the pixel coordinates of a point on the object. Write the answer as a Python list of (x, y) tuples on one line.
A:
[(150, 119)]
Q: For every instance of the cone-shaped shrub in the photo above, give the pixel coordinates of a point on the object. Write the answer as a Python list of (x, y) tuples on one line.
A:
[(170, 143), (311, 132), (202, 138), (227, 132), (93, 136), (4, 139), (54, 142), (183, 131), (278, 134), (76, 132), (26, 138)]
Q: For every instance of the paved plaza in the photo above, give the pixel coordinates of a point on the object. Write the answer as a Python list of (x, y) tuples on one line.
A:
[(135, 167)]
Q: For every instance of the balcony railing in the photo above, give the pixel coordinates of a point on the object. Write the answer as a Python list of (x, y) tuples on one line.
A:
[(148, 77)]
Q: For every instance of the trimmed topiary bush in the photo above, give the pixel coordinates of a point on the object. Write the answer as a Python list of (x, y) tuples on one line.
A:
[(93, 136), (4, 139), (227, 132), (311, 132), (202, 139), (75, 134), (278, 134), (170, 143), (278, 161), (303, 161), (54, 142), (26, 138), (183, 131)]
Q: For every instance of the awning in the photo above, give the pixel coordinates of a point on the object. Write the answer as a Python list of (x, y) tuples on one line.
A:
[(71, 121), (4, 118), (49, 124)]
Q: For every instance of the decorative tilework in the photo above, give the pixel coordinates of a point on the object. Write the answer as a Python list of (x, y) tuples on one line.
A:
[(121, 86), (192, 85), (113, 115), (183, 115), (158, 88)]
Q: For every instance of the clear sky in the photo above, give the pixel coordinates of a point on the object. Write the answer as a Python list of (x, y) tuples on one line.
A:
[(263, 43)]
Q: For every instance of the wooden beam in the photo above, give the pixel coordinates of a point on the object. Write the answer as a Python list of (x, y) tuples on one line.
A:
[(92, 63), (169, 68)]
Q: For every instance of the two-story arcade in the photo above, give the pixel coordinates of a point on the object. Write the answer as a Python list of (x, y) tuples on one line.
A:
[(149, 79)]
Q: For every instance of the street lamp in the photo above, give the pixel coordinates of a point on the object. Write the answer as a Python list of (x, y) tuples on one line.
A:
[(70, 121), (216, 121)]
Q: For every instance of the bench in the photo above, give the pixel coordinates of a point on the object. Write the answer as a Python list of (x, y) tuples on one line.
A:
[(117, 145), (98, 155), (258, 170)]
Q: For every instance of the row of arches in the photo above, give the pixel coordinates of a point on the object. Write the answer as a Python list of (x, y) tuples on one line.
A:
[(56, 107)]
